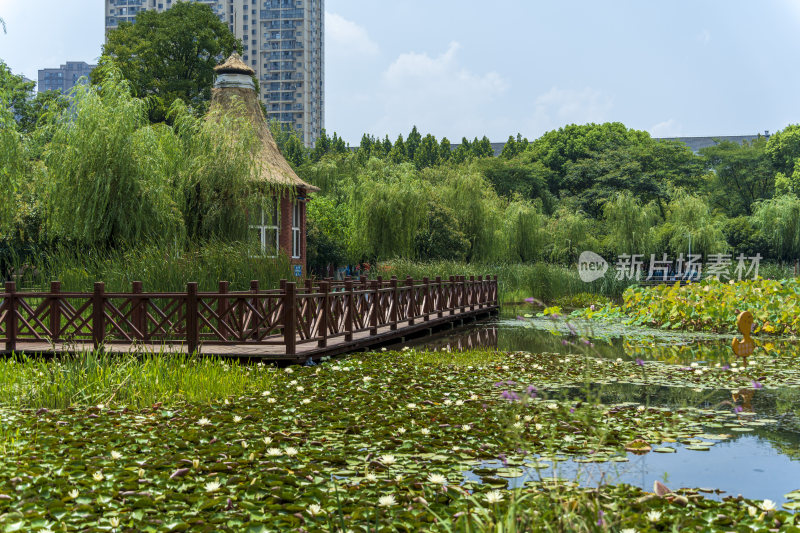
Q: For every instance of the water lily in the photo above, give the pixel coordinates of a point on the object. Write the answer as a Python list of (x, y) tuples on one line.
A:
[(411, 406), (73, 493), (387, 501), (371, 477), (425, 431), (274, 452), (271, 400), (98, 476), (290, 451), (237, 419), (493, 496), (288, 370), (114, 521), (767, 505), (203, 422), (212, 486), (654, 516), (459, 402), (400, 431), (267, 440), (466, 427), (300, 388), (116, 455), (314, 509), (140, 473), (305, 401), (388, 459), (437, 479)]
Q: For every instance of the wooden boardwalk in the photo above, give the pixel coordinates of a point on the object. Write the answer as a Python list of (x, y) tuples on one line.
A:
[(288, 324)]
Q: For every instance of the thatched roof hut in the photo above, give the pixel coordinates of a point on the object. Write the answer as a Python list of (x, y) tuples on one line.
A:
[(234, 81)]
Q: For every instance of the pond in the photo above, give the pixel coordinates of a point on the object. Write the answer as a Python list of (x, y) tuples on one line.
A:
[(761, 461)]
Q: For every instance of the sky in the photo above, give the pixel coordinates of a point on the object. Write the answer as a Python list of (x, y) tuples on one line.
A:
[(472, 68)]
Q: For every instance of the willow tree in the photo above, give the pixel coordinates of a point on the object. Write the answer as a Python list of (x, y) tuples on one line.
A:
[(691, 225), (215, 172), (11, 163), (779, 220), (385, 211), (630, 224), (108, 171), (525, 231)]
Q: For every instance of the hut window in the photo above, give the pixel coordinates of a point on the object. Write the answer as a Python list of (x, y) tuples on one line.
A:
[(265, 230), (296, 230)]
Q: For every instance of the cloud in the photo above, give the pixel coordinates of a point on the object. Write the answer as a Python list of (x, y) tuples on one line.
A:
[(558, 107), (346, 38), (667, 128), (704, 36), (437, 94)]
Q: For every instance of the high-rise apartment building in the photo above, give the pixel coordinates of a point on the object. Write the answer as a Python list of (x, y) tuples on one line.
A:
[(64, 77), (283, 42)]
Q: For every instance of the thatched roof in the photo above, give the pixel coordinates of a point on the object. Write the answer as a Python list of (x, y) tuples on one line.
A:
[(274, 169), (234, 65)]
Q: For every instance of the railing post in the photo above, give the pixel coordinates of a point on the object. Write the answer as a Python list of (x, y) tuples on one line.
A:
[(495, 291), (451, 296), (426, 299), (393, 310), (11, 316), (309, 311), (472, 293), (137, 312), (325, 304), (290, 318), (192, 326), (412, 301), (480, 292), (349, 303), (98, 314), (439, 297), (55, 310), (222, 308), (375, 309)]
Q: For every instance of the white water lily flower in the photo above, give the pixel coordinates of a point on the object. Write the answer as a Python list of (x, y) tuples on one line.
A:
[(628, 530), (654, 516), (767, 505), (425, 431), (388, 459), (288, 370), (300, 388), (466, 427), (411, 406), (400, 431), (305, 401), (387, 501), (518, 425), (212, 486), (265, 393), (267, 440), (116, 455), (274, 452), (448, 401), (398, 478), (98, 476), (371, 477), (528, 418), (237, 419), (568, 438), (640, 408), (493, 496), (552, 406), (74, 493), (203, 422), (244, 444), (751, 510), (140, 472), (459, 402), (538, 427), (437, 479), (114, 521), (367, 378), (314, 509), (290, 451)]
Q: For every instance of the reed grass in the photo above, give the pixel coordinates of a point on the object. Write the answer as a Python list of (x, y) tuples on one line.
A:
[(98, 378), (161, 268)]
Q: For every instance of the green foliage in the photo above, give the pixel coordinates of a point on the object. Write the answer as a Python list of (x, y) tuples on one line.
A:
[(108, 173), (690, 223), (778, 220), (630, 225), (327, 239), (440, 239), (168, 55), (742, 175), (714, 305), (12, 159)]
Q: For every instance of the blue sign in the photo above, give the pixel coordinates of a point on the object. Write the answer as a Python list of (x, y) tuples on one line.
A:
[(298, 271)]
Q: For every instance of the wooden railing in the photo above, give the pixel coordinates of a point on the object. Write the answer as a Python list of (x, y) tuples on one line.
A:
[(314, 312)]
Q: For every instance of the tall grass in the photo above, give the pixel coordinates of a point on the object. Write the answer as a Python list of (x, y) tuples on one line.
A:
[(516, 281), (161, 268), (94, 378)]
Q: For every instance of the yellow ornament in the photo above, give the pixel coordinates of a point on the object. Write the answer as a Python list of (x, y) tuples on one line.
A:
[(745, 347)]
